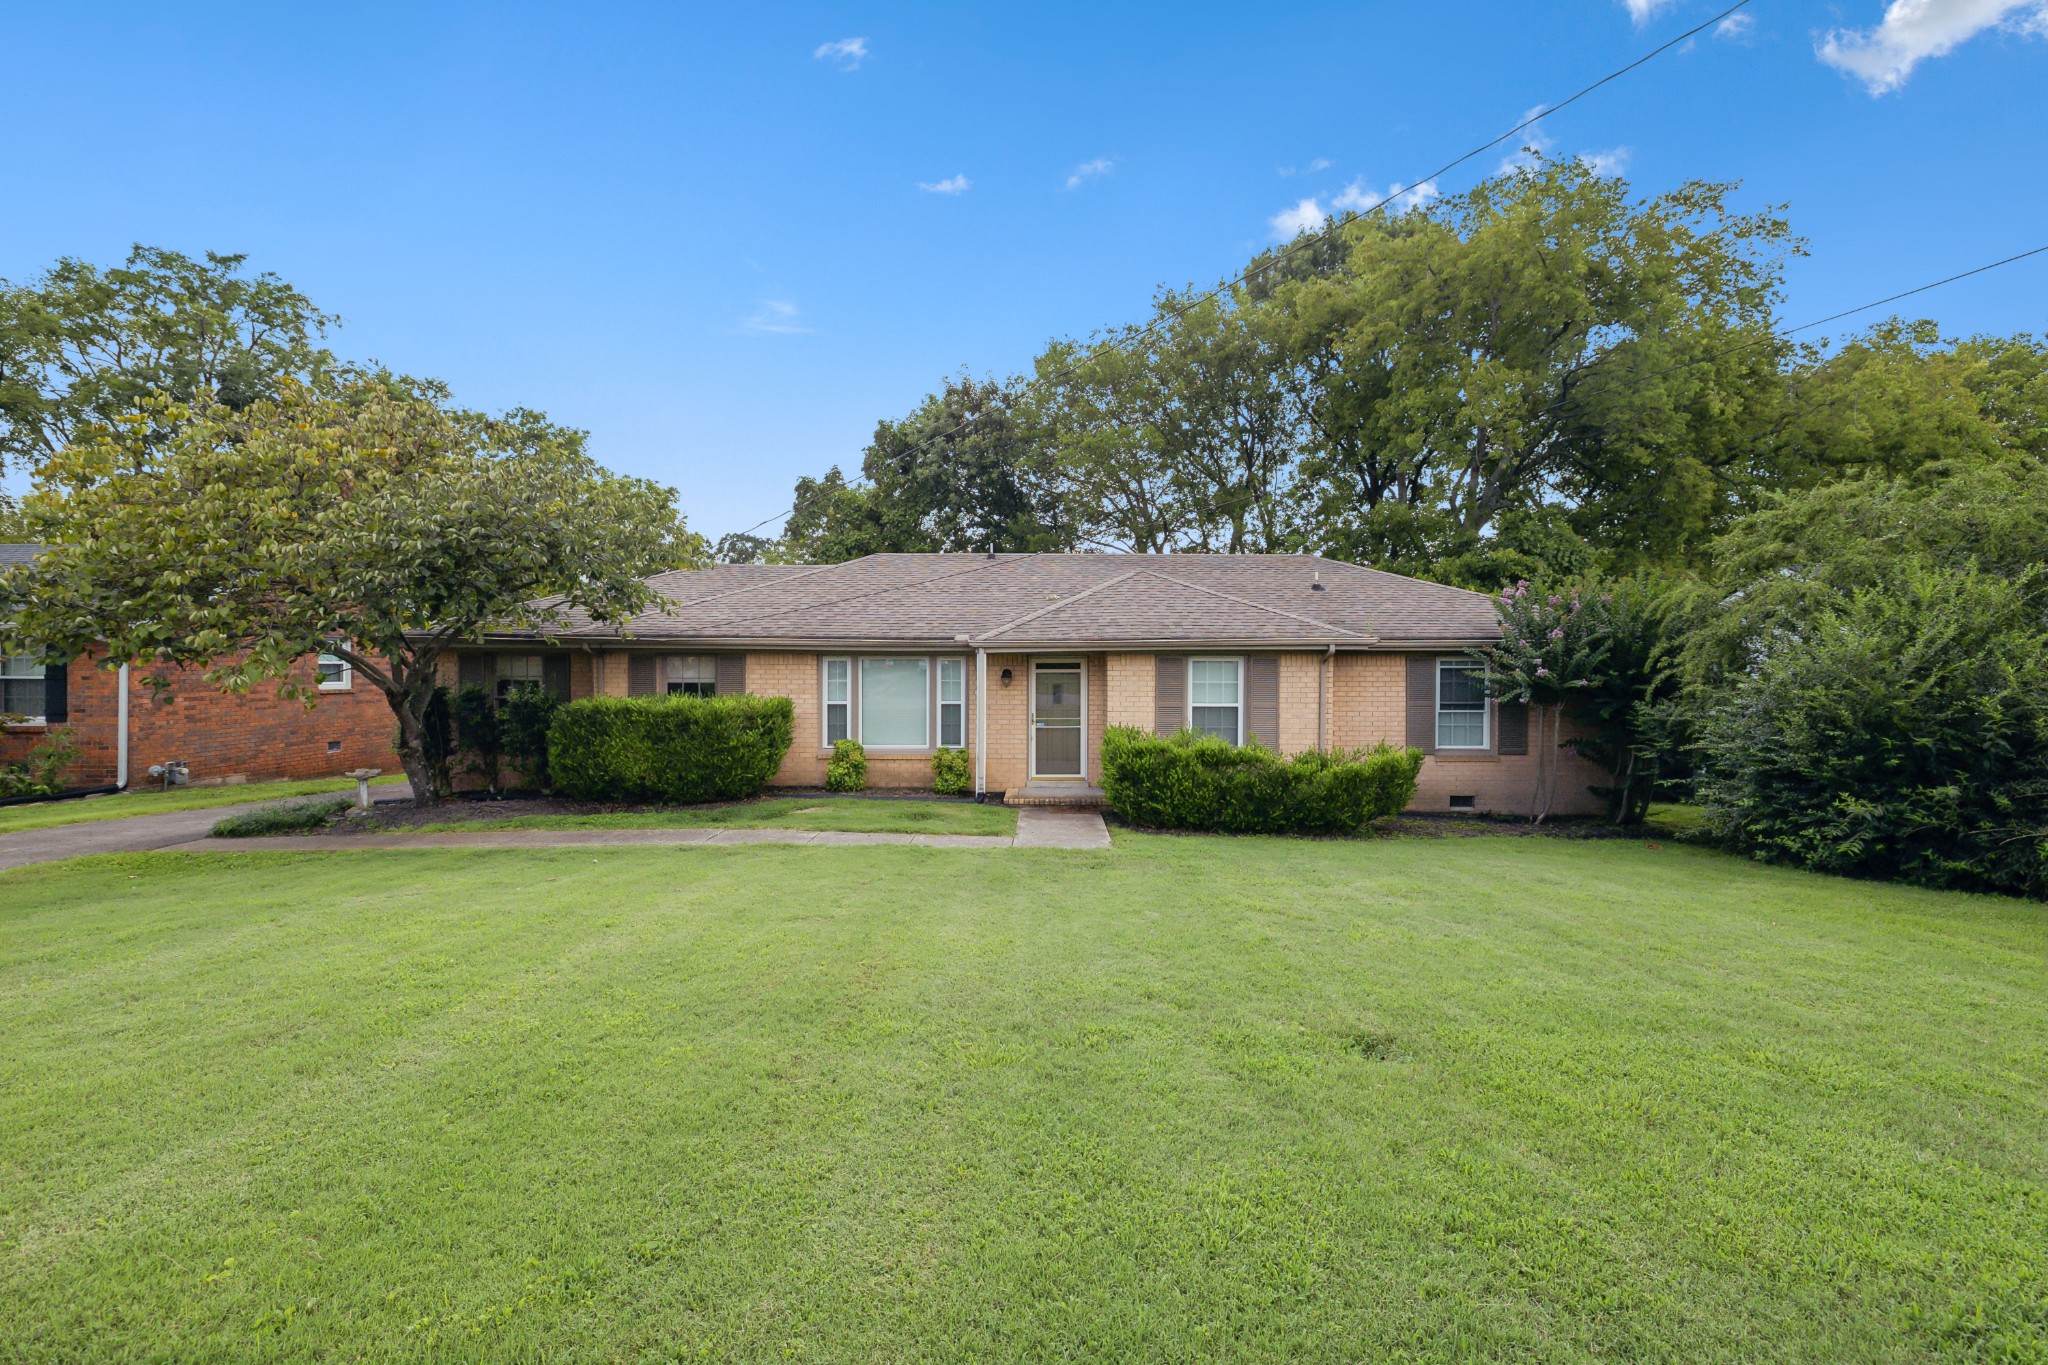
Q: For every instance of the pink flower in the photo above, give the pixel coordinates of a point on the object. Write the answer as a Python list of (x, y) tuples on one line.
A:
[(1542, 672), (1557, 634), (1556, 601)]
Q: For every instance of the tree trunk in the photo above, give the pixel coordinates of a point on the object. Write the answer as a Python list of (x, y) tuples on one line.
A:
[(409, 703)]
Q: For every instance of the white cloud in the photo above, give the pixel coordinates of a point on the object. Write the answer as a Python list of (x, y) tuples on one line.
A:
[(776, 317), (1359, 197), (847, 54), (1613, 161), (1535, 142), (1642, 11), (1914, 30), (1305, 216), (1321, 163), (1735, 26), (1088, 170), (958, 184)]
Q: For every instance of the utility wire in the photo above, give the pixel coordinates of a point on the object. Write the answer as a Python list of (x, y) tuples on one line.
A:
[(1311, 238)]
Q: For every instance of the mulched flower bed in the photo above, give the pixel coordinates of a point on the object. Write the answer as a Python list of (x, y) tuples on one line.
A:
[(468, 806)]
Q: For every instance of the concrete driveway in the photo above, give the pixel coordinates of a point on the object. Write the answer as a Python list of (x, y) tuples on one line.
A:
[(136, 833)]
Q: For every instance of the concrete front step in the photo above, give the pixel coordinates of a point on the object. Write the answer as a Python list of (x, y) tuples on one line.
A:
[(1071, 794)]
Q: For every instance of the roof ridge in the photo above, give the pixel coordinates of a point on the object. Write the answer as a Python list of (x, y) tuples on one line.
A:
[(867, 592), (1261, 606), (1125, 576)]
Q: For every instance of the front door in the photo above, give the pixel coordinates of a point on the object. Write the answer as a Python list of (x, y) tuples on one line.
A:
[(1057, 720)]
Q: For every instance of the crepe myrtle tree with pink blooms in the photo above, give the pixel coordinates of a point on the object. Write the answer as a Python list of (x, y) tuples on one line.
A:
[(1551, 652)]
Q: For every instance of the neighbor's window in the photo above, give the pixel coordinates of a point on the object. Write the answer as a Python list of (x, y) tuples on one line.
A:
[(334, 674), (952, 703), (518, 670), (1460, 704), (692, 675), (21, 686), (838, 700), (895, 697), (1215, 698)]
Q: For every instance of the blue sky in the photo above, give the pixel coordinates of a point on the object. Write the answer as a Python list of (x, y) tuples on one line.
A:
[(722, 238)]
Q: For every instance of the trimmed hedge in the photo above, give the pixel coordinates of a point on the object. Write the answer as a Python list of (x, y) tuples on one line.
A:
[(952, 772), (1190, 781), (847, 769), (292, 817), (676, 750)]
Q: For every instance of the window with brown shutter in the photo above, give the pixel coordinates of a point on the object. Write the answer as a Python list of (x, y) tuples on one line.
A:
[(1170, 694), (1262, 699), (1422, 702)]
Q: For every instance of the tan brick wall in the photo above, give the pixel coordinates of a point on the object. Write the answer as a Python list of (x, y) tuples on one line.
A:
[(795, 676), (1369, 700), (1009, 721), (1131, 684), (1097, 667), (1300, 685)]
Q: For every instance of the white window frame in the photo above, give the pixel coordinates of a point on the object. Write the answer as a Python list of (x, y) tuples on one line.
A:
[(845, 702), (959, 669), (1188, 684), (860, 712), (501, 686), (675, 666), (344, 682), (1485, 711), (8, 663)]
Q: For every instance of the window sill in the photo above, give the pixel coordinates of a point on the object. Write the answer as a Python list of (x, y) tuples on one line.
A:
[(1466, 756), (336, 687), (28, 725)]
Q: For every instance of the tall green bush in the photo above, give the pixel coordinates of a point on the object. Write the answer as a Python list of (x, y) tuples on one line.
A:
[(952, 772), (1190, 781), (524, 718), (1899, 731), (847, 769), (675, 749)]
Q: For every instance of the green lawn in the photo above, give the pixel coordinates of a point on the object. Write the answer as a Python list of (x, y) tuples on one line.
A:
[(1190, 1099), (780, 812), (149, 801)]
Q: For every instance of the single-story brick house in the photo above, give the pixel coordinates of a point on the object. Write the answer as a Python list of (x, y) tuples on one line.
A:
[(1023, 659), (122, 726)]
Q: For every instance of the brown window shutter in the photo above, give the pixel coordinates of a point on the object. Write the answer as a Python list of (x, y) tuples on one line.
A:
[(56, 693), (1511, 724), (1170, 694), (474, 671), (1262, 699), (640, 675), (554, 676), (731, 677), (1422, 702)]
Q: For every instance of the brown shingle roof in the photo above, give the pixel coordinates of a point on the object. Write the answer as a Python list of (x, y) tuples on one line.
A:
[(1022, 601)]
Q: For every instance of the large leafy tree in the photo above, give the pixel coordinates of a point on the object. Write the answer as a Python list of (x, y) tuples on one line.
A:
[(374, 521), (964, 471), (83, 346)]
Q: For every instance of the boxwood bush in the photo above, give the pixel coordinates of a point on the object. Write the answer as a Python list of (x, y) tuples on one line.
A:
[(668, 749), (847, 769), (952, 772), (1190, 781)]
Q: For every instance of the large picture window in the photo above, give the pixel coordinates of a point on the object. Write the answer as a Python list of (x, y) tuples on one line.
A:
[(1460, 704), (1216, 698), (895, 698), (952, 703), (21, 686)]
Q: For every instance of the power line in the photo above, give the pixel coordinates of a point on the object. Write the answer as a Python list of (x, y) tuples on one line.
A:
[(1307, 239)]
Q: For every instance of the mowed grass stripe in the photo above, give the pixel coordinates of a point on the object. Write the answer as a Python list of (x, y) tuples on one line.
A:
[(1192, 1098)]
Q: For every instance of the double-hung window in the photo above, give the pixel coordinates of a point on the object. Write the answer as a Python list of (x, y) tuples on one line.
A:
[(838, 700), (518, 670), (952, 703), (334, 673), (895, 703), (692, 675), (21, 686), (1216, 698), (1460, 704)]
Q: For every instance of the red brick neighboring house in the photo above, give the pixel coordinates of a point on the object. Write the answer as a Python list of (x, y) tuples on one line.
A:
[(219, 736)]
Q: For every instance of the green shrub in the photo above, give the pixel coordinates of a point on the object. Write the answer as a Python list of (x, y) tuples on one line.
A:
[(479, 737), (41, 773), (952, 772), (847, 769), (524, 719), (292, 817), (676, 749), (1899, 732), (1193, 782)]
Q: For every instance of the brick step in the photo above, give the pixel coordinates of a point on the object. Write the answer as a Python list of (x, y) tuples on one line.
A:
[(1055, 794)]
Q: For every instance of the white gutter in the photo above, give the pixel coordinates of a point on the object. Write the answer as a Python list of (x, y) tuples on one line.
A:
[(980, 722), (121, 731)]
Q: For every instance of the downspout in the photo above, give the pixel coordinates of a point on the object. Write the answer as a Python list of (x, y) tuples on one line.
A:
[(1323, 698), (980, 724), (121, 730)]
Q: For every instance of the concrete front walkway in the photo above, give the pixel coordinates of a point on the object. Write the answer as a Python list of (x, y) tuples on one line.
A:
[(1035, 829), (137, 833)]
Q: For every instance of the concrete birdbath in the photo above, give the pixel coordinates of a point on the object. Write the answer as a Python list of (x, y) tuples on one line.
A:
[(362, 777)]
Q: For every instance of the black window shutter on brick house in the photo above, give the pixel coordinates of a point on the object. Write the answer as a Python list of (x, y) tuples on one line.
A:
[(731, 676), (640, 675), (554, 676), (57, 693)]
